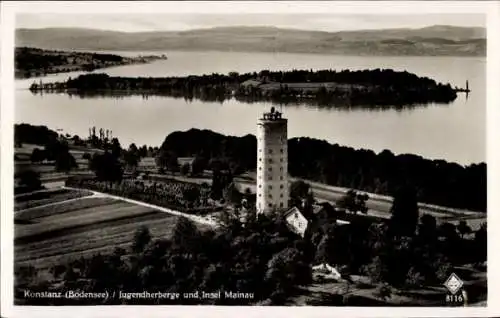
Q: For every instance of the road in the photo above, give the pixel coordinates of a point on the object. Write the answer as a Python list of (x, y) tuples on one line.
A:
[(378, 205)]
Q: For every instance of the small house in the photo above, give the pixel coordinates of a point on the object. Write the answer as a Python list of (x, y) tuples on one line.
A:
[(296, 221)]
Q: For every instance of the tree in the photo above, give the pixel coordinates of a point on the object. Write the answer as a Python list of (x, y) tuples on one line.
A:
[(30, 179), (185, 168), (286, 269), (65, 162), (414, 278), (323, 250), (53, 148), (191, 194), (231, 194), (76, 140), (106, 167), (301, 196), (116, 149), (427, 229), (167, 160), (463, 228), (142, 237), (220, 181), (384, 292), (354, 202), (448, 231), (37, 155), (299, 190), (377, 270), (131, 159), (198, 165), (87, 156), (480, 243), (185, 234), (173, 163), (133, 149), (404, 212), (143, 151)]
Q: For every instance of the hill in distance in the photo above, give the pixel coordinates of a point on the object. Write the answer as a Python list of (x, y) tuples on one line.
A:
[(434, 40)]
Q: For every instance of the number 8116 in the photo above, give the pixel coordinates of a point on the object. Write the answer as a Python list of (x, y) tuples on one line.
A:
[(454, 298)]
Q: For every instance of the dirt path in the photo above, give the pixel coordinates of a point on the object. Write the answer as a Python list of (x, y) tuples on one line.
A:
[(93, 195)]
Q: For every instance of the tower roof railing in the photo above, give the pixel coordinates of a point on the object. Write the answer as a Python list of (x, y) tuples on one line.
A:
[(272, 115)]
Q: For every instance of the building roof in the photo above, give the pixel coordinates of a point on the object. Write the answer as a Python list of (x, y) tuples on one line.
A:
[(291, 211), (251, 82)]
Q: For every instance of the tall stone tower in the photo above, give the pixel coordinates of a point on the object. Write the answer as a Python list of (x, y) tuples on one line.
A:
[(272, 162)]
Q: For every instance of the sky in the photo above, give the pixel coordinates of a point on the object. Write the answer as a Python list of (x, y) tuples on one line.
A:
[(180, 22)]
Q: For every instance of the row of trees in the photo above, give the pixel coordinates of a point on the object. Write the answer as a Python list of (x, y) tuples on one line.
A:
[(182, 196)]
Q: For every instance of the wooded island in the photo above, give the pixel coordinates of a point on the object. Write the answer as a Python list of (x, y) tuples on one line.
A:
[(376, 88)]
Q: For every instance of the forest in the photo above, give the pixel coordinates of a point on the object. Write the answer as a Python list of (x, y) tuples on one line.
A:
[(437, 181), (328, 88)]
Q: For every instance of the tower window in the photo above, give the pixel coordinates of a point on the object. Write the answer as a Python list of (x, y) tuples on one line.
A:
[(281, 195), (260, 194), (281, 178), (270, 151), (281, 150), (270, 178), (281, 159), (260, 185), (270, 196), (281, 186), (260, 150), (281, 168), (270, 160), (281, 204), (270, 187), (260, 159), (270, 169), (270, 205)]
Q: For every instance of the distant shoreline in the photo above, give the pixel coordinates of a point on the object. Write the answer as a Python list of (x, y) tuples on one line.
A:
[(299, 52), (35, 62)]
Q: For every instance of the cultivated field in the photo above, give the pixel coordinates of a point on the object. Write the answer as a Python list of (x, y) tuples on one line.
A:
[(51, 235)]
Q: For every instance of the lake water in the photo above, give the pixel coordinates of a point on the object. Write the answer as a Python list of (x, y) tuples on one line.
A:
[(454, 132)]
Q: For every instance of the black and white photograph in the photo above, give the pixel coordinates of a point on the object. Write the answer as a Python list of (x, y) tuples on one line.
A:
[(249, 159)]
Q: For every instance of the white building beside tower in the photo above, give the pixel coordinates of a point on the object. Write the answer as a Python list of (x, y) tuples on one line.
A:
[(272, 162)]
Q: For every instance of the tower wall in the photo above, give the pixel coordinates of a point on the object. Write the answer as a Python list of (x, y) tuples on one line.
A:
[(272, 164)]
